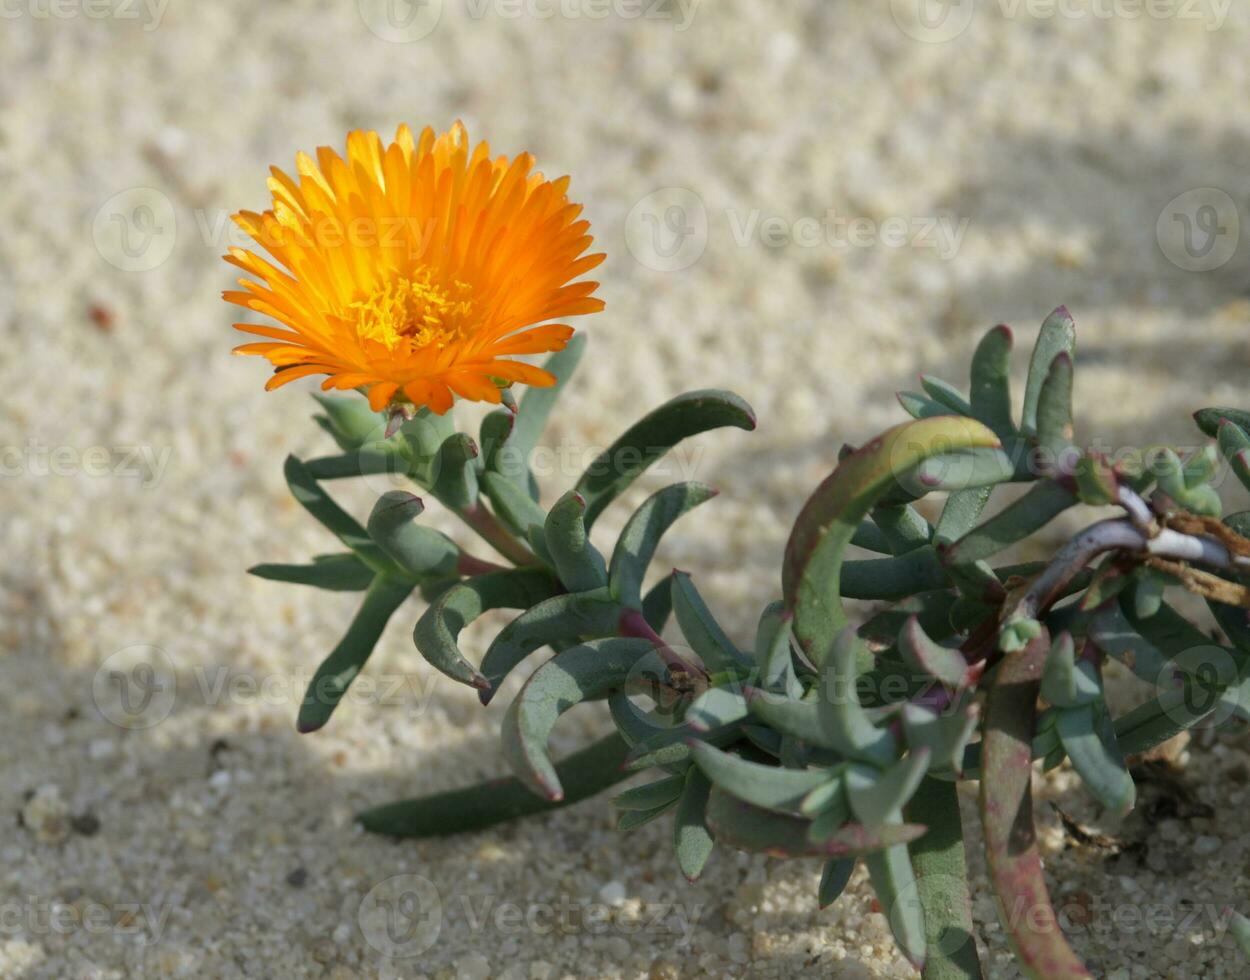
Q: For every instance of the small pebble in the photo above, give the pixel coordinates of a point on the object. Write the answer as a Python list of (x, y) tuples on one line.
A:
[(297, 878), (46, 815), (475, 966)]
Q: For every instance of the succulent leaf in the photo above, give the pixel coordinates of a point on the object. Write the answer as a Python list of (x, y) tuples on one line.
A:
[(564, 617), (581, 673), (1089, 740), (438, 630), (347, 659), (692, 837), (811, 575), (336, 573), (1043, 502), (641, 535), (771, 787), (990, 392), (420, 551), (578, 562), (1057, 336), (649, 439), (701, 630)]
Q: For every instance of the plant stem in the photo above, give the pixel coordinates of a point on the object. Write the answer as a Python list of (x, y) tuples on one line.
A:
[(942, 883), (1015, 866), (634, 623), (583, 774), (495, 534)]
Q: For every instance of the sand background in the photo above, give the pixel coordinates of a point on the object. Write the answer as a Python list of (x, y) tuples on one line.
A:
[(1057, 141)]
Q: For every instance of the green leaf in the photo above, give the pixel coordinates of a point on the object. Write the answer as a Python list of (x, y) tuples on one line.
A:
[(581, 673), (462, 811), (641, 535), (1208, 419), (886, 579), (768, 786), (578, 562), (843, 721), (657, 605), (1239, 926), (518, 510), (919, 406), (339, 669), (894, 881), (773, 654), (1054, 407), (878, 797), (334, 518), (701, 630), (969, 469), (990, 394), (420, 551), (660, 793), (798, 719), (715, 708), (537, 403), (438, 630), (1044, 501), (628, 820), (811, 574), (904, 527), (944, 664), (946, 393), (692, 839), (350, 421), (742, 825), (1089, 740), (1057, 336), (945, 735), (828, 800), (960, 513), (871, 538), (565, 617), (337, 573), (455, 482), (649, 439), (1066, 681), (834, 879)]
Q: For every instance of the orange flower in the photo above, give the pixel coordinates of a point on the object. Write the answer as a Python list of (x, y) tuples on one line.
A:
[(414, 270)]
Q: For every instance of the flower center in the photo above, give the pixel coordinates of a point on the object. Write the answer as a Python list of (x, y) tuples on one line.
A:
[(413, 313)]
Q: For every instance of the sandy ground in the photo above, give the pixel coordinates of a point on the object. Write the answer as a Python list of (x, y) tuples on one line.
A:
[(1032, 158)]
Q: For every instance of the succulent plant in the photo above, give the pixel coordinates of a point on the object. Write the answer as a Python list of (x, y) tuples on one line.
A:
[(841, 732)]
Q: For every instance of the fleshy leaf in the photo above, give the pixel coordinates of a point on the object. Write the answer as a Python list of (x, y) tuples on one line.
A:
[(1058, 335), (692, 838), (564, 617), (811, 574), (578, 562), (990, 394), (941, 663), (437, 631), (337, 573), (877, 798), (771, 787), (701, 630), (581, 673), (1089, 741), (339, 669), (746, 827), (653, 436), (641, 535), (1044, 501), (420, 551)]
